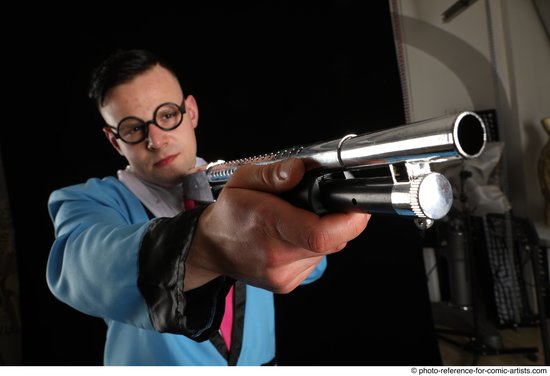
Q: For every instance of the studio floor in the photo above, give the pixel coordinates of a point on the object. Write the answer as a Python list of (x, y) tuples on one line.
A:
[(514, 341)]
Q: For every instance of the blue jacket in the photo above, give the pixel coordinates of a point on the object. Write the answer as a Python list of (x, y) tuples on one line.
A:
[(111, 260)]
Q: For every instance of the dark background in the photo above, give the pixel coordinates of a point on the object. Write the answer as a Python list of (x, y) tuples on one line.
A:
[(266, 76)]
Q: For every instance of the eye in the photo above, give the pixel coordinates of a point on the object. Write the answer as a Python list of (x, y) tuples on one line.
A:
[(134, 129), (168, 114), (130, 128)]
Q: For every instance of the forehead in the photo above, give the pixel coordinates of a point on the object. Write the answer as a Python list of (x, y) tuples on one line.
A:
[(140, 96)]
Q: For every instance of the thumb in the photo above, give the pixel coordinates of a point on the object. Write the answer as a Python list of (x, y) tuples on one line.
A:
[(274, 177)]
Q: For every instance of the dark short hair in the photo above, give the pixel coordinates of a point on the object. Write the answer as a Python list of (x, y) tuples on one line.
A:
[(121, 67)]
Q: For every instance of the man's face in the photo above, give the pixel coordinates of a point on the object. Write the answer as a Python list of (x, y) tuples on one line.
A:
[(165, 156)]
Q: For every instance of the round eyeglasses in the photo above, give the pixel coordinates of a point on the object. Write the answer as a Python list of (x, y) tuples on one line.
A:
[(133, 130)]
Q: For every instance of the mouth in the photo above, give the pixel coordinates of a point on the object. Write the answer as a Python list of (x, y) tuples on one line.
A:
[(166, 161)]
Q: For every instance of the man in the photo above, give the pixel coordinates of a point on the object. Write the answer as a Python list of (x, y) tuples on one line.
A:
[(179, 285)]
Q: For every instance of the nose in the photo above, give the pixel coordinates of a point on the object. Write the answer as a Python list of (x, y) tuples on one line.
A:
[(156, 137)]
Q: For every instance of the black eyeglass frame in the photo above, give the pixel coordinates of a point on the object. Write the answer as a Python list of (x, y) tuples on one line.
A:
[(145, 124)]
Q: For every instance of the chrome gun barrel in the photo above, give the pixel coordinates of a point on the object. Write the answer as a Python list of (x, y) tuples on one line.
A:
[(440, 139), (436, 140)]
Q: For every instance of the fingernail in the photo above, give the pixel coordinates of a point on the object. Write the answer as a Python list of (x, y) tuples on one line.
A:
[(284, 168)]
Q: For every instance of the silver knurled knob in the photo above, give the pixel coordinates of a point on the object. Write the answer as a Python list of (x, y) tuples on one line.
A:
[(431, 196)]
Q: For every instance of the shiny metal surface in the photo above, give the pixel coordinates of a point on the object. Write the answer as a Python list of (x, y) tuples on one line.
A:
[(430, 196), (436, 140), (434, 196)]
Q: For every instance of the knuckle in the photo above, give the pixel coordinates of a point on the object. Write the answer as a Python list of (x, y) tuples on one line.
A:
[(265, 176)]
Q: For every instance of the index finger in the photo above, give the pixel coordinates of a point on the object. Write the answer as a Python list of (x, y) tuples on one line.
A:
[(274, 177)]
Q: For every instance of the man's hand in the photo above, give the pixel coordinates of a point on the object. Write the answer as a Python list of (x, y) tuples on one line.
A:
[(253, 235)]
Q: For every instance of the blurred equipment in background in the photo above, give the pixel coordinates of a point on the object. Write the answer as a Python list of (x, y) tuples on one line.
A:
[(543, 171), (492, 267)]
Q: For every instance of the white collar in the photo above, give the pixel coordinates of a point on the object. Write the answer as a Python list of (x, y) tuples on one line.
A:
[(161, 201)]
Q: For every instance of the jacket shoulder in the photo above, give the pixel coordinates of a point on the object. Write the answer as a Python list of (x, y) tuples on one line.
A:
[(108, 191)]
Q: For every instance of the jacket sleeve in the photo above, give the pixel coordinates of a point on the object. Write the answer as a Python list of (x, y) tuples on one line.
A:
[(317, 272), (162, 257), (109, 260)]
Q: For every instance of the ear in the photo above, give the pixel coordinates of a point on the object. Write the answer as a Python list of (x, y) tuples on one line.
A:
[(192, 110), (112, 139)]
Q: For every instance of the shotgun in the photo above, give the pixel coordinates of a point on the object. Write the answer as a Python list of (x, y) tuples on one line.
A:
[(387, 172)]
